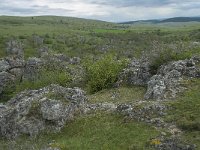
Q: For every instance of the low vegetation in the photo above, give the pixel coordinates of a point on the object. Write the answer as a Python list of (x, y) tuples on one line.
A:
[(108, 132), (118, 95), (185, 112)]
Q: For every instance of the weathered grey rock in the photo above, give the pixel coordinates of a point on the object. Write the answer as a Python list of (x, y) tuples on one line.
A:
[(15, 49), (124, 108), (101, 106), (32, 111), (137, 73), (11, 69), (43, 51), (75, 60), (15, 62), (17, 72), (5, 80), (4, 65), (184, 67), (60, 58), (31, 126), (51, 148), (156, 88), (52, 110), (173, 144), (32, 68), (37, 40), (167, 82)]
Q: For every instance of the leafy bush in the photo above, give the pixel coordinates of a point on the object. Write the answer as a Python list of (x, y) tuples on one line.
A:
[(167, 55), (103, 73)]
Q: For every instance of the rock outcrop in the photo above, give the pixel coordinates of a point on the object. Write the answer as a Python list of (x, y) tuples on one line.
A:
[(15, 49), (167, 82), (137, 73), (32, 67), (11, 69), (45, 109)]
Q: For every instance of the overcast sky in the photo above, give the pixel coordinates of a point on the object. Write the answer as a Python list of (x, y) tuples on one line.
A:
[(108, 10)]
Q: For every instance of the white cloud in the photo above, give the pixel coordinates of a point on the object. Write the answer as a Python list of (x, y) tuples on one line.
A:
[(109, 10)]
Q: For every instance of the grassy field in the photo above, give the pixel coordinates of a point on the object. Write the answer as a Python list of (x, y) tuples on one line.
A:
[(80, 37)]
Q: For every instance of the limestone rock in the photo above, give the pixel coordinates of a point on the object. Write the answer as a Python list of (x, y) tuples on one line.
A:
[(43, 51), (4, 65), (5, 79), (167, 82), (137, 73), (101, 106), (75, 60), (32, 111), (156, 88), (15, 49), (32, 68)]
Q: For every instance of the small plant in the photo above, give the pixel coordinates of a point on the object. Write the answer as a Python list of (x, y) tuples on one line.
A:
[(155, 142)]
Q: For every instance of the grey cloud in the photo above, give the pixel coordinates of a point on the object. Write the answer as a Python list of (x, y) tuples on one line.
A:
[(109, 10), (129, 3), (33, 10)]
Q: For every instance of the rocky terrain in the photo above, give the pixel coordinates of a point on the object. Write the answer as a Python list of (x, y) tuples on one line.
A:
[(50, 108), (45, 93)]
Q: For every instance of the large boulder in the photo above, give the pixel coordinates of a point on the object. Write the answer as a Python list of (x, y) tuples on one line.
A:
[(43, 51), (4, 65), (15, 62), (11, 69), (37, 40), (167, 82), (137, 73), (32, 68), (5, 80), (15, 49), (32, 111)]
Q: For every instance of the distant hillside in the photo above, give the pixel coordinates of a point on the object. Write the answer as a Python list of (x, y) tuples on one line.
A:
[(156, 21), (70, 22), (181, 19)]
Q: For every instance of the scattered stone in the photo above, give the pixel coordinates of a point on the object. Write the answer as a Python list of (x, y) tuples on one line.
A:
[(75, 60), (172, 144)]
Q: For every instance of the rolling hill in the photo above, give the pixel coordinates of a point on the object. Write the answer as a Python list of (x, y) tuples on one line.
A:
[(156, 21)]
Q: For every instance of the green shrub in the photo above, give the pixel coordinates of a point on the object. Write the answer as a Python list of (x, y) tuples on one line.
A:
[(166, 56), (103, 73), (48, 41)]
